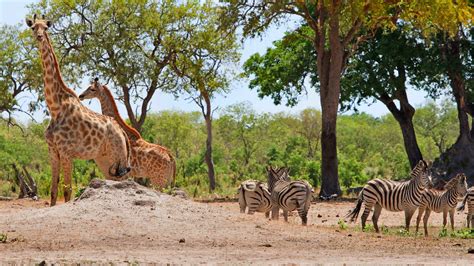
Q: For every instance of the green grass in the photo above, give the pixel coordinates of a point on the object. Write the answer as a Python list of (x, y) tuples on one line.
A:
[(3, 237), (342, 224)]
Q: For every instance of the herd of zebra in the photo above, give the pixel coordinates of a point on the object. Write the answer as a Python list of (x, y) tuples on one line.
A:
[(408, 196)]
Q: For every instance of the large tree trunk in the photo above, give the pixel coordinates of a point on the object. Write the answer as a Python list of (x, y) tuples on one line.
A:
[(329, 67), (208, 156), (404, 117), (458, 86)]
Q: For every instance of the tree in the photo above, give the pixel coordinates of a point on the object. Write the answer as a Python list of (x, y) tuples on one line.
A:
[(20, 71), (337, 28), (129, 43), (205, 66), (382, 68)]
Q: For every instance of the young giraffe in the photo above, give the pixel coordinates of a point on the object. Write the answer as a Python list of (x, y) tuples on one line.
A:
[(75, 131), (148, 160)]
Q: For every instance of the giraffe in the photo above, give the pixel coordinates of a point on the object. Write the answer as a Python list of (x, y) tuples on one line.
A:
[(74, 131), (148, 160)]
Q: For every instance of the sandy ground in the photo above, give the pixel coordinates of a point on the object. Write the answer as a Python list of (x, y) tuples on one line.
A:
[(125, 223)]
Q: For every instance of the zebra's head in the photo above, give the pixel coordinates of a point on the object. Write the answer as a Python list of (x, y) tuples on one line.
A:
[(276, 174), (421, 173), (459, 183)]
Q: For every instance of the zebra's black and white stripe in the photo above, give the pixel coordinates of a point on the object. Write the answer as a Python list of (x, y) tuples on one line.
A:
[(442, 201), (288, 195), (469, 200), (392, 196), (255, 196)]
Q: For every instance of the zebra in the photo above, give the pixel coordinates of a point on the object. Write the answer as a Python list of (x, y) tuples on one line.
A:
[(254, 195), (393, 196), (442, 201), (469, 199), (288, 195)]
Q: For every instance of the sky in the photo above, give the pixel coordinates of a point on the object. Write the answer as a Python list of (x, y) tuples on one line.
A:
[(14, 12)]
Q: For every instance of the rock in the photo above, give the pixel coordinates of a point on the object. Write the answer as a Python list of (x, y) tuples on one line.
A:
[(266, 245), (150, 203), (96, 183), (470, 251), (319, 215), (182, 240)]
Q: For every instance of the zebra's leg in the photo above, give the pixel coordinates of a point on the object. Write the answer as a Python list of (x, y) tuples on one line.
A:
[(421, 210), (267, 214), (285, 215), (408, 215), (472, 220), (303, 213), (451, 218), (242, 203), (375, 216), (445, 218), (275, 213), (425, 220), (364, 216), (251, 211)]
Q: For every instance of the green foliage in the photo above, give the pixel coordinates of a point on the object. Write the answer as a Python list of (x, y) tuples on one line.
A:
[(20, 69), (443, 232), (342, 224), (3, 238), (465, 233), (245, 142)]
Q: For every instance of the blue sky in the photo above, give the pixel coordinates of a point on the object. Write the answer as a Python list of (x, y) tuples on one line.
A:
[(14, 11)]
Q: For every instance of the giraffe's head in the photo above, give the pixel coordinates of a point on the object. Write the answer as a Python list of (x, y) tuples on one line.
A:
[(39, 26), (94, 90)]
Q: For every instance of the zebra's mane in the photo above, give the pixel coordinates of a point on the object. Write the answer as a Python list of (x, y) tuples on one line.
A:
[(453, 182), (418, 169)]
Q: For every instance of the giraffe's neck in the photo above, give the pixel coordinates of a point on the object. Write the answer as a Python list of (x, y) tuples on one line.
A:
[(55, 91), (109, 108), (107, 104)]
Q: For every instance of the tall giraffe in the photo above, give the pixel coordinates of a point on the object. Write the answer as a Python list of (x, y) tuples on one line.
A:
[(148, 160), (75, 131)]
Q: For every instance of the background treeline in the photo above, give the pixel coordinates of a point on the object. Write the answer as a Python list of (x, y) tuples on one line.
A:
[(246, 141)]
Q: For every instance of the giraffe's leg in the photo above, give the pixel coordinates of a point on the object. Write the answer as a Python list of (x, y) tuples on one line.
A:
[(408, 215), (421, 210), (451, 218), (375, 216), (445, 218), (425, 220), (66, 165), (55, 169)]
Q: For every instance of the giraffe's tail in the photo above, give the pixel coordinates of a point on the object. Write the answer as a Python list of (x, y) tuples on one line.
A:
[(118, 170)]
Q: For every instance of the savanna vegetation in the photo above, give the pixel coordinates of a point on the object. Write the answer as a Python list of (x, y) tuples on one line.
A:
[(350, 52), (246, 141)]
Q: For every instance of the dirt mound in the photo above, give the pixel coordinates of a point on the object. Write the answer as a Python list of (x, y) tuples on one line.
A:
[(123, 222)]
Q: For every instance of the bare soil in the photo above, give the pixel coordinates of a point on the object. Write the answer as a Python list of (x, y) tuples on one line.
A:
[(122, 222)]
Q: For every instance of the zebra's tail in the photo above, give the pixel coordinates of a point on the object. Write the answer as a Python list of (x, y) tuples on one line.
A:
[(463, 204), (355, 212)]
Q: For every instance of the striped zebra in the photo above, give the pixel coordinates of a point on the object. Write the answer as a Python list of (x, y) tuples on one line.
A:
[(255, 196), (392, 196), (469, 199), (442, 201), (288, 195)]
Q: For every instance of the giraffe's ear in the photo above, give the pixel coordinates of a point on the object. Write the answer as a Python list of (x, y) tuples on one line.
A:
[(48, 23), (29, 22)]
